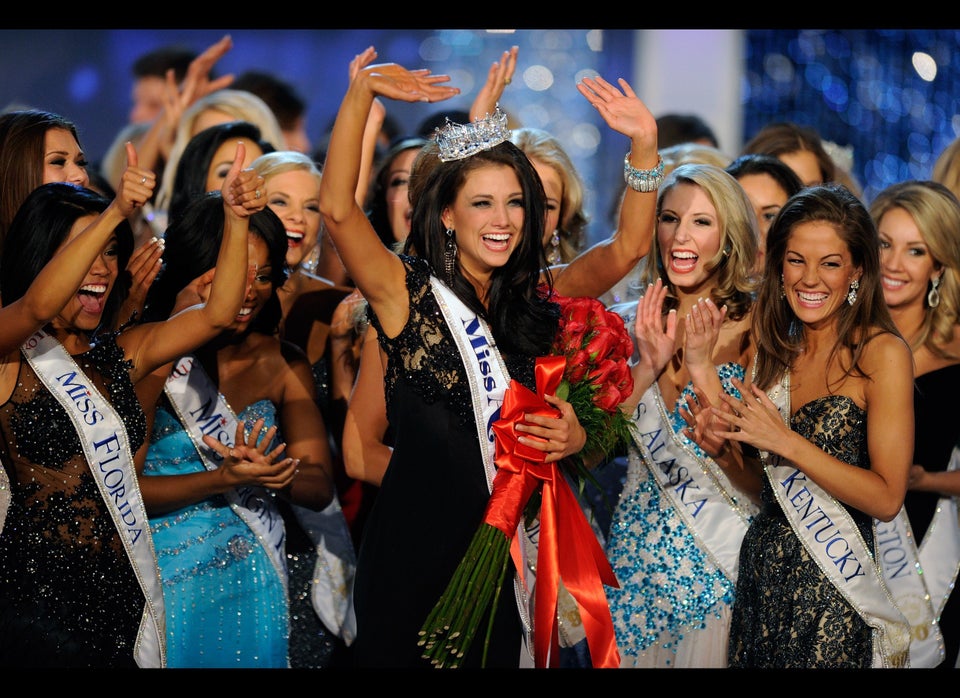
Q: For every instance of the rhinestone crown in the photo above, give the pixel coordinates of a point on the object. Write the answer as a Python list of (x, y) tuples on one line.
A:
[(457, 141)]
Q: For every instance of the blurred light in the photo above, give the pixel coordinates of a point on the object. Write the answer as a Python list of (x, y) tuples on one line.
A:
[(925, 66), (595, 39), (84, 84), (538, 78)]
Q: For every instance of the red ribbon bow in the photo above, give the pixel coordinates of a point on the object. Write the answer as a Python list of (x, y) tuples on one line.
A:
[(568, 547)]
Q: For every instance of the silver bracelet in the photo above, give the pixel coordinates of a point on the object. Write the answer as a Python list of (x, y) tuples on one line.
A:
[(642, 180)]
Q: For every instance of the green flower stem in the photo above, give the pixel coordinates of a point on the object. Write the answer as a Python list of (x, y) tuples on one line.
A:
[(452, 624)]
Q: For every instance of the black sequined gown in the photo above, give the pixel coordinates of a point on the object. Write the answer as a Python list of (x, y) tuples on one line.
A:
[(937, 432), (432, 497), (69, 596), (786, 613)]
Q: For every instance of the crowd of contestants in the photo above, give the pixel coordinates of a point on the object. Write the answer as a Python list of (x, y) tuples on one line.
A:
[(239, 428)]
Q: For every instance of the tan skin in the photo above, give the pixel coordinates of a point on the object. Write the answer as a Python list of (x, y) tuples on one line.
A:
[(490, 202), (908, 266), (817, 274), (64, 161), (90, 262), (691, 341), (252, 366), (592, 274)]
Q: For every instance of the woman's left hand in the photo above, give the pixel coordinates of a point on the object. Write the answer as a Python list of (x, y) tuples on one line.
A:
[(498, 77), (559, 437), (754, 419)]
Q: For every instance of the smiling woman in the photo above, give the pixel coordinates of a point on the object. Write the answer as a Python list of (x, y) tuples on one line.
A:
[(79, 585)]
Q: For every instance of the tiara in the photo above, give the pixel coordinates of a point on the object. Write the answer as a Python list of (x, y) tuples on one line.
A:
[(458, 141)]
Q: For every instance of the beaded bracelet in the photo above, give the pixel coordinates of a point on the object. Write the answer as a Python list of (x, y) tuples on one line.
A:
[(642, 180)]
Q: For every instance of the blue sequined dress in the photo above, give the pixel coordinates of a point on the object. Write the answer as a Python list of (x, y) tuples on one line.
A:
[(226, 605), (674, 604)]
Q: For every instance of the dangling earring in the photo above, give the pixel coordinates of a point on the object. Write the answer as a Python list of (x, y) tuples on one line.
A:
[(933, 297), (783, 291), (450, 255), (553, 254), (852, 294)]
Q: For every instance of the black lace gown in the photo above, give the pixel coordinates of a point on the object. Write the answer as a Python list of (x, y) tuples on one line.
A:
[(786, 613), (69, 596), (432, 498)]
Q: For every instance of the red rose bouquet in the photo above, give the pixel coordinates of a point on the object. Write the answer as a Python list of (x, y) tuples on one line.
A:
[(588, 368)]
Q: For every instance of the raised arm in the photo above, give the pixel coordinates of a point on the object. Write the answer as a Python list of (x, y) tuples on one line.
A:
[(153, 344), (375, 269), (598, 268), (60, 278), (498, 77)]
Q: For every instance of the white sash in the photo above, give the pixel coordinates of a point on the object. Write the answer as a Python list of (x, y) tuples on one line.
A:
[(940, 548), (105, 446), (834, 542), (332, 585), (201, 410), (488, 381), (907, 580), (699, 491), (4, 495)]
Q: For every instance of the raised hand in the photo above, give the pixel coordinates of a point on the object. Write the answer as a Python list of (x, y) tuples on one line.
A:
[(498, 77), (656, 340), (196, 84), (243, 191), (249, 462), (396, 82), (361, 61), (701, 330), (620, 108), (136, 184)]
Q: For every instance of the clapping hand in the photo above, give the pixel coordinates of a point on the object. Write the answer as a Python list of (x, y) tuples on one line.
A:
[(248, 462)]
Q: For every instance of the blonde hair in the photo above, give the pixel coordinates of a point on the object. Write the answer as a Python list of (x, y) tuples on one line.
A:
[(936, 212), (734, 261), (543, 146), (280, 161), (946, 170), (687, 153), (114, 162), (239, 104)]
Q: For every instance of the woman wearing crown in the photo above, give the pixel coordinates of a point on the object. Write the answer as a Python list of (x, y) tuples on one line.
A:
[(459, 313)]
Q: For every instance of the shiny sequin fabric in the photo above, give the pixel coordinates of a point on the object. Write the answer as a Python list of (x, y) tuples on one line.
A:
[(226, 605), (69, 596), (787, 614), (673, 604)]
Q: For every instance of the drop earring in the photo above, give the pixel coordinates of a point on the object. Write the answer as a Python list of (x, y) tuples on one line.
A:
[(852, 294), (783, 291), (450, 256), (553, 252), (933, 296)]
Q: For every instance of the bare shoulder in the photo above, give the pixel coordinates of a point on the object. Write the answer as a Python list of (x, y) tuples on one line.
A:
[(886, 351)]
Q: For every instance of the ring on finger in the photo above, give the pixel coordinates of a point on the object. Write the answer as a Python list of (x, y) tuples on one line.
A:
[(143, 180), (508, 81), (257, 193)]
